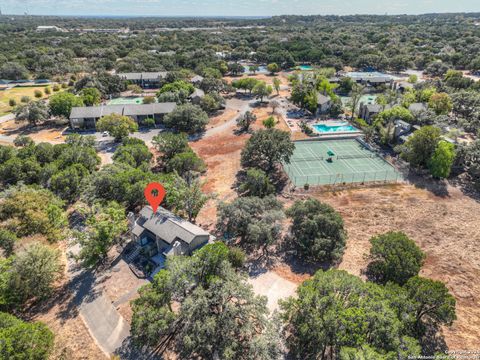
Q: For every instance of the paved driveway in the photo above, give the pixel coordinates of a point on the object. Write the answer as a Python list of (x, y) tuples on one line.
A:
[(274, 287)]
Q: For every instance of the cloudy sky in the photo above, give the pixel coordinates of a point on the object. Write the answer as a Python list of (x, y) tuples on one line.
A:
[(234, 7)]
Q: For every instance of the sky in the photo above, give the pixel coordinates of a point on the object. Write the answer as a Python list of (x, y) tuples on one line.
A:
[(234, 7)]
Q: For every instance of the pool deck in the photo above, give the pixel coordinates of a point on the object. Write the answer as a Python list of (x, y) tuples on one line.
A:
[(335, 134)]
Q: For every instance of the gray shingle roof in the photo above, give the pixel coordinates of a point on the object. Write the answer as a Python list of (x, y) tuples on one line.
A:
[(378, 79), (197, 78), (168, 226), (322, 99), (373, 108), (127, 110), (197, 93), (143, 75), (417, 107)]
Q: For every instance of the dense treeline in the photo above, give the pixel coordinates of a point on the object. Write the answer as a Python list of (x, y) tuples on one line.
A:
[(380, 42)]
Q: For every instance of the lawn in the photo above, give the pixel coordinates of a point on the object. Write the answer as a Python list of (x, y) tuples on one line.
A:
[(17, 93)]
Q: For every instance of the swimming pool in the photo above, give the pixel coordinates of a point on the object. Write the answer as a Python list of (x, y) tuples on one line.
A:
[(324, 128), (305, 67)]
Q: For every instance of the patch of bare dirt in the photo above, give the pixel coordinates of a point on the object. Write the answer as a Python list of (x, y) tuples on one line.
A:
[(40, 133)]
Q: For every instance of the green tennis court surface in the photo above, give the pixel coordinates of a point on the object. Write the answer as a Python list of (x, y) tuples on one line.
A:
[(126, 101), (328, 162)]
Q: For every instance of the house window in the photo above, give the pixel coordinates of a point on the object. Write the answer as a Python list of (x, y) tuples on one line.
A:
[(144, 241)]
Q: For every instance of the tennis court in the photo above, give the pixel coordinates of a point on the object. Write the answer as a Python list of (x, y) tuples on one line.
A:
[(328, 162), (126, 101)]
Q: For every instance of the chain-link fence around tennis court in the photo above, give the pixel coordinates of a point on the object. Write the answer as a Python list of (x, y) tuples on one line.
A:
[(387, 176)]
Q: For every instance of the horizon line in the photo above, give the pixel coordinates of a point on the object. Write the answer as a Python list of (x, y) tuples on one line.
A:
[(234, 16)]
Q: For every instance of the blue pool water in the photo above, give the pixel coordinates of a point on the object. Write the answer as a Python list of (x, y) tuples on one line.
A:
[(305, 67), (322, 128)]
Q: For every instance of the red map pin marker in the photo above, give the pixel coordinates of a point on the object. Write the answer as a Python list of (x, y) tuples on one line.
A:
[(155, 193)]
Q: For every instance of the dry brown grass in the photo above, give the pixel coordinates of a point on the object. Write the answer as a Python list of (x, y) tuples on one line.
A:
[(446, 228), (41, 133)]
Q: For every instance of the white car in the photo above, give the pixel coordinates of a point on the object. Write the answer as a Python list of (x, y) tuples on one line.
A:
[(105, 133)]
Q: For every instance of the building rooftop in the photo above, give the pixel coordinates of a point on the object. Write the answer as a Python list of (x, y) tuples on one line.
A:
[(143, 75), (322, 99), (417, 107), (197, 79), (127, 110), (167, 226), (197, 93)]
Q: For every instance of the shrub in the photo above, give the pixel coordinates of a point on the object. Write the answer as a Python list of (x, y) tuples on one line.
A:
[(25, 99), (38, 94), (149, 122), (12, 102), (56, 88), (47, 91)]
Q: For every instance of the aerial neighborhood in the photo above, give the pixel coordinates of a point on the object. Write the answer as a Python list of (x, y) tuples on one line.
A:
[(316, 186)]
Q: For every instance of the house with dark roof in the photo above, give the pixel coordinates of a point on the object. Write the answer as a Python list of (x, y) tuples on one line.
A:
[(324, 103), (197, 96), (401, 86), (163, 234), (86, 117), (146, 80), (416, 108), (368, 111), (196, 80)]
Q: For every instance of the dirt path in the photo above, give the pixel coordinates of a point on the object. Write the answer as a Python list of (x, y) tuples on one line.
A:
[(446, 228)]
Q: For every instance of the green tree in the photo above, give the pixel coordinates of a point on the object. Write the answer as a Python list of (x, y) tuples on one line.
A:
[(440, 103), (317, 230), (273, 68), (217, 312), (420, 147), (61, 104), (7, 241), (117, 125), (256, 221), (13, 71), (33, 211), (148, 100), (253, 68), (276, 84), (468, 158), (170, 144), (67, 183), (189, 197), (34, 272), (355, 95), (187, 118), (121, 183), (394, 257), (24, 341), (432, 302), (186, 162), (333, 310), (91, 96), (269, 122), (256, 183), (262, 90), (33, 112), (266, 149), (245, 120), (440, 164), (105, 226), (133, 152)]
